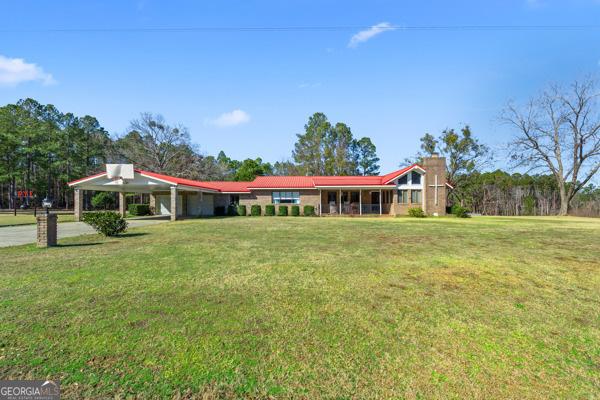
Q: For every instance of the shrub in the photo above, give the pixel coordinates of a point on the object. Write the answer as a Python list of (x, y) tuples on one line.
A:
[(295, 211), (255, 210), (283, 211), (461, 212), (103, 200), (416, 212), (232, 210), (309, 211), (107, 223), (220, 211), (139, 209), (269, 210), (241, 210)]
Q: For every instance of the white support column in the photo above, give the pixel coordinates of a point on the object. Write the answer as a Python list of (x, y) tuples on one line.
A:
[(78, 206), (320, 203), (379, 201), (340, 201), (360, 202), (173, 203), (122, 204)]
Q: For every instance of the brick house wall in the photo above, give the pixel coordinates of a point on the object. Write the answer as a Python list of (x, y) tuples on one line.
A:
[(263, 197)]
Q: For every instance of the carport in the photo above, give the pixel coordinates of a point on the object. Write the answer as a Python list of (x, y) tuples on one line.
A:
[(169, 195)]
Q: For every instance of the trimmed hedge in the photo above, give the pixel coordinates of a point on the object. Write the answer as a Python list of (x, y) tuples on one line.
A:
[(269, 210), (255, 210), (283, 211), (107, 223), (295, 211), (220, 211), (232, 210), (139, 209), (416, 212), (309, 211), (241, 210)]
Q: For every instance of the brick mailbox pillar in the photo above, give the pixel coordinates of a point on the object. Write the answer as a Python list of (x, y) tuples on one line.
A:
[(46, 230)]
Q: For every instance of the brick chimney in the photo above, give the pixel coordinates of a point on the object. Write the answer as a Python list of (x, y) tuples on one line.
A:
[(435, 184)]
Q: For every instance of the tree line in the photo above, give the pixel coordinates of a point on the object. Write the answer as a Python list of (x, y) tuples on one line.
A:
[(42, 149), (556, 141)]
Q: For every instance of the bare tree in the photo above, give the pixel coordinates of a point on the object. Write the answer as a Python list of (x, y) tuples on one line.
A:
[(559, 131), (155, 145)]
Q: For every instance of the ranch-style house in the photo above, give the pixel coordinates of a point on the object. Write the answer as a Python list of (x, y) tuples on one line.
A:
[(419, 185)]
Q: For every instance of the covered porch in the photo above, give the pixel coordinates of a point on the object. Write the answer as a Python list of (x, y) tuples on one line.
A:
[(356, 201), (168, 196)]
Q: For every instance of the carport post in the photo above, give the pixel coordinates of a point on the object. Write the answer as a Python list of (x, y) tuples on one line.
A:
[(78, 204), (173, 203), (153, 203), (122, 204)]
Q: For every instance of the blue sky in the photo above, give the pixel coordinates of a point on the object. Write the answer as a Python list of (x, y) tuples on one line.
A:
[(249, 93)]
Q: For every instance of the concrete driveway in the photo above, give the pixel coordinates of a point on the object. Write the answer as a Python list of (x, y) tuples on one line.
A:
[(24, 234)]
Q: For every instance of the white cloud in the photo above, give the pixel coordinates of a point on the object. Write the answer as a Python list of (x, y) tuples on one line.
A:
[(370, 33), (15, 70), (233, 118)]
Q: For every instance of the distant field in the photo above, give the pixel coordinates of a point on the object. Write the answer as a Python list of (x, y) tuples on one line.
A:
[(11, 220), (311, 308)]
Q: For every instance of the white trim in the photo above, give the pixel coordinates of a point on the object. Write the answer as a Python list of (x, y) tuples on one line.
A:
[(366, 187), (281, 188), (158, 179), (406, 172), (103, 174), (196, 188)]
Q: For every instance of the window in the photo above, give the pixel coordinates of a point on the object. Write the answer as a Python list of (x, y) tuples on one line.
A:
[(403, 196), (234, 199), (416, 178), (354, 197), (286, 197), (403, 180), (415, 196)]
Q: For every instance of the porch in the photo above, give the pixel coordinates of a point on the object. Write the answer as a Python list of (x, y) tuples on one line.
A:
[(352, 201)]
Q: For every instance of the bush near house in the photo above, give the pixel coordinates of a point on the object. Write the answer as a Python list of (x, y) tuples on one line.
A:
[(220, 211), (255, 210), (295, 210), (103, 200), (232, 210), (416, 212), (269, 210), (108, 223), (241, 210), (139, 209), (309, 211), (461, 212), (283, 211)]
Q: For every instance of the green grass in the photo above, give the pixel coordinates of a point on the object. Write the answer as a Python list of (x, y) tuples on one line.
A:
[(28, 219), (311, 308)]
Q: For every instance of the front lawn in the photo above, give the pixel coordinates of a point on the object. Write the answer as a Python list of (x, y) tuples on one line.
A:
[(311, 308)]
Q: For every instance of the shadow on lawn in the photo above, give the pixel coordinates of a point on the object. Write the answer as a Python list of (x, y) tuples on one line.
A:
[(133, 234), (78, 244)]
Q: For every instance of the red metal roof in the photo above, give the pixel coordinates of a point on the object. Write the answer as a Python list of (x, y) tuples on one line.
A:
[(228, 186), (276, 182), (282, 182), (347, 181)]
